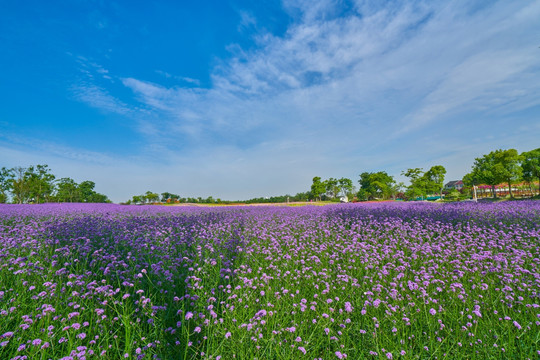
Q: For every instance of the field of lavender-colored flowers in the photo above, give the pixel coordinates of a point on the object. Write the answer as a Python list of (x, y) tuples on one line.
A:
[(372, 281)]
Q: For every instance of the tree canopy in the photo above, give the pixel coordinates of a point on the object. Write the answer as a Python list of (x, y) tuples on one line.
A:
[(37, 184)]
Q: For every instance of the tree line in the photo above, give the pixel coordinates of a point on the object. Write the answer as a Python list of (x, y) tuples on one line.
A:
[(505, 166), (497, 167), (36, 184), (381, 186)]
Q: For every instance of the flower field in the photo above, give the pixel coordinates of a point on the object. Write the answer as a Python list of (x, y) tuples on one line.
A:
[(354, 281)]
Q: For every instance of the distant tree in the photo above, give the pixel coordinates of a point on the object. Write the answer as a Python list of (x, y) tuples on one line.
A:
[(507, 167), (332, 188), (167, 197), (346, 187), (496, 167), (20, 186), (302, 196), (417, 188), (531, 166), (40, 182), (86, 191), (151, 197), (67, 190), (98, 198), (317, 188), (136, 199), (6, 183), (434, 179), (375, 185), (397, 190), (483, 172)]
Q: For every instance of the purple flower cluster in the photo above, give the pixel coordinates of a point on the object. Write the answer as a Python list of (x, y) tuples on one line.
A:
[(345, 281)]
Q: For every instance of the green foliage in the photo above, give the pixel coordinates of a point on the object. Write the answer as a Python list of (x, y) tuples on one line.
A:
[(317, 188), (531, 165), (497, 167), (40, 183), (36, 184), (434, 179), (167, 196), (418, 187), (67, 191), (332, 188), (376, 185), (151, 197), (6, 183), (453, 195)]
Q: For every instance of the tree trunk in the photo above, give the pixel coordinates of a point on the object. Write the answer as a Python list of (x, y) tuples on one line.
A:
[(493, 191), (510, 189)]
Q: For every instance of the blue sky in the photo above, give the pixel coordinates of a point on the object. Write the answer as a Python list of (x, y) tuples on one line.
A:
[(238, 99)]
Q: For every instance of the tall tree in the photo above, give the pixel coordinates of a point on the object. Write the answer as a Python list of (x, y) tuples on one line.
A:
[(86, 190), (67, 190), (6, 183), (40, 182), (317, 187), (418, 183), (168, 197), (531, 166), (375, 185), (434, 179), (20, 186), (151, 197), (507, 167), (483, 172), (346, 187), (331, 187)]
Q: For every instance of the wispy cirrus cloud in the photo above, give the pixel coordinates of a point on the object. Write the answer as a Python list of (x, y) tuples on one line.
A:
[(98, 97), (422, 58), (350, 86)]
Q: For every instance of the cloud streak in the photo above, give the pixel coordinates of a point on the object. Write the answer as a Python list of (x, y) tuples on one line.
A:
[(364, 86)]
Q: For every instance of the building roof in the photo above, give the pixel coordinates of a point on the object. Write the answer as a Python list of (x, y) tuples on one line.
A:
[(453, 183)]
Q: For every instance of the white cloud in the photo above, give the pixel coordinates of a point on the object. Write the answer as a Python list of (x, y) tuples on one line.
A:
[(378, 87)]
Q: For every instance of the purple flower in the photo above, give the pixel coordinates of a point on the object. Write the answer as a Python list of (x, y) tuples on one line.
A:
[(432, 311), (36, 342), (189, 315), (302, 349)]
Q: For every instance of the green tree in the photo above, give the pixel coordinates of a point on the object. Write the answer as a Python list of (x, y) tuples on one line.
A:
[(86, 191), (332, 188), (483, 172), (531, 166), (67, 190), (507, 167), (434, 179), (6, 183), (40, 183), (346, 187), (417, 188), (168, 196), (137, 199), (151, 197), (375, 185), (317, 188), (20, 186)]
